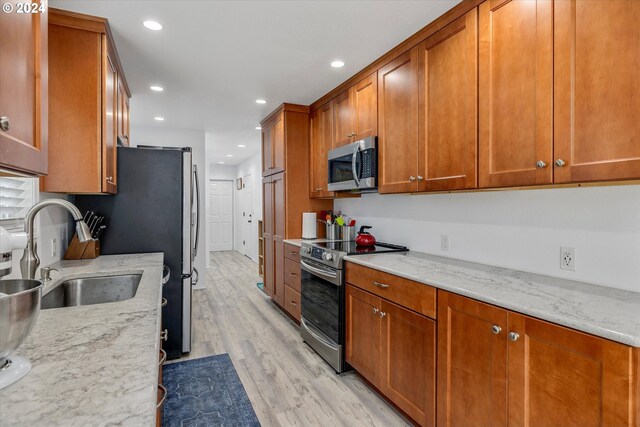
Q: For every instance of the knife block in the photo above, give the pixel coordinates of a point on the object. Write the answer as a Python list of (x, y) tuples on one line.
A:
[(82, 250)]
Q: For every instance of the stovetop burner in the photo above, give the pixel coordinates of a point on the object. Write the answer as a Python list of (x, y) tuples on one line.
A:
[(350, 248)]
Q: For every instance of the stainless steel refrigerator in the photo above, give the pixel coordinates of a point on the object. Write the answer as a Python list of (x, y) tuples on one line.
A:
[(156, 210)]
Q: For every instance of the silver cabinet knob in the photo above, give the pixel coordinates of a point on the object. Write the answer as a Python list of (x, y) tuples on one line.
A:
[(382, 314), (4, 123), (375, 310), (164, 335), (110, 178), (496, 329), (420, 178), (513, 336), (540, 164), (412, 178), (560, 163)]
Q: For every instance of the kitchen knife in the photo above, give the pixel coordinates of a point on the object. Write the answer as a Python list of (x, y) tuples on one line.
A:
[(97, 224), (99, 232)]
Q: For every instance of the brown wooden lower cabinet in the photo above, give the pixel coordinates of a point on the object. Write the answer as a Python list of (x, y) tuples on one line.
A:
[(497, 367), (394, 349), (292, 302)]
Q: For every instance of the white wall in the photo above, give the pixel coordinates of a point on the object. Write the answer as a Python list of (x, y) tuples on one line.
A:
[(523, 230), (253, 167), (167, 137)]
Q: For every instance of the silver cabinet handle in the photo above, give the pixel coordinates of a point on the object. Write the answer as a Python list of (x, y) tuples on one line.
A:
[(292, 274), (382, 314), (375, 310), (560, 163), (164, 302), (412, 178), (167, 275), (541, 164), (319, 188), (164, 395), (420, 178), (293, 253), (164, 335), (293, 302), (4, 123), (496, 329), (163, 358), (513, 336), (381, 285)]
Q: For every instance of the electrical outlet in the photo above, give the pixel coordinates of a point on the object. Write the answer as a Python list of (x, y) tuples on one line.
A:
[(568, 259), (444, 242), (54, 247)]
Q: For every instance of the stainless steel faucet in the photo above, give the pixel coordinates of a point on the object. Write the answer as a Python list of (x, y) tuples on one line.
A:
[(30, 261)]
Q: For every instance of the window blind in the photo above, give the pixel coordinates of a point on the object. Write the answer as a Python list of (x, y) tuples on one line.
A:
[(16, 197)]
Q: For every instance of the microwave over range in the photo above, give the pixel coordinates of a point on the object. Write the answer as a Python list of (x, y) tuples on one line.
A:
[(354, 167)]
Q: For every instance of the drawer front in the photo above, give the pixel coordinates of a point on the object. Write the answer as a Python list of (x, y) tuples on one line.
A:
[(292, 274), (406, 293), (292, 252), (292, 301)]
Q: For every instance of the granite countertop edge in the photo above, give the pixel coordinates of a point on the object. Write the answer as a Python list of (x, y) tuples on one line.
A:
[(605, 312)]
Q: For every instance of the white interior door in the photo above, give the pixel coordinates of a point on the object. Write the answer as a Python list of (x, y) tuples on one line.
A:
[(220, 195), (248, 236)]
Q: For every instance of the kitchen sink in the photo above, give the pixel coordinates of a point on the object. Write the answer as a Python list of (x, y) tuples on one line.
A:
[(92, 290)]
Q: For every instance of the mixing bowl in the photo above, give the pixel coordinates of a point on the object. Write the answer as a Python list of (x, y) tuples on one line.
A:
[(19, 309)]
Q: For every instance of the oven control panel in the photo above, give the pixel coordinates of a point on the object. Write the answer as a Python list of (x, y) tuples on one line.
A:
[(317, 253)]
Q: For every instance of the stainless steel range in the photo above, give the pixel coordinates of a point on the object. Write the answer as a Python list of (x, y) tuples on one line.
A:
[(322, 325)]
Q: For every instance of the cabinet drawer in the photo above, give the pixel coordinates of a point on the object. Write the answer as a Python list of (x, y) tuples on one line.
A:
[(292, 252), (292, 274), (292, 301), (407, 293)]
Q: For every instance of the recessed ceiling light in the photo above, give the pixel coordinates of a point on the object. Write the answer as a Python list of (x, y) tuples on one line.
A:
[(258, 127), (229, 155), (153, 25), (241, 146), (337, 64), (221, 163), (159, 119), (156, 88), (260, 101)]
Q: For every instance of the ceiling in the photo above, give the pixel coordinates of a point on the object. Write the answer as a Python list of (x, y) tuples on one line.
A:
[(215, 58)]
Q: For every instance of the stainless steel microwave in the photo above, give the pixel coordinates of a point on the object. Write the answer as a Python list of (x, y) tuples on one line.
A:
[(354, 166)]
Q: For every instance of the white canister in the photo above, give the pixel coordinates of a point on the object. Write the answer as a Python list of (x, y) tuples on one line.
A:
[(309, 225)]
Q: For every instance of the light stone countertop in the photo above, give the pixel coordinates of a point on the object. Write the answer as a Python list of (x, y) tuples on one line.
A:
[(298, 242), (606, 312), (94, 364)]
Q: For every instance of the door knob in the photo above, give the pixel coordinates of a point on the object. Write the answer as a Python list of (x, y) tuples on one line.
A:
[(496, 329), (540, 164), (513, 336), (4, 123), (560, 163)]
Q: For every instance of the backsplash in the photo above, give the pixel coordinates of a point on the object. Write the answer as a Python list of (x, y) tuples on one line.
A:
[(52, 223), (522, 230)]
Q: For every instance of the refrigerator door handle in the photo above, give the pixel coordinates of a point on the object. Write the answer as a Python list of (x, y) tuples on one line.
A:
[(194, 277), (197, 190)]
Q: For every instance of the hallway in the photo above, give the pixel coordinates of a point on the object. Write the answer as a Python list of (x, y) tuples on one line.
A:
[(287, 383)]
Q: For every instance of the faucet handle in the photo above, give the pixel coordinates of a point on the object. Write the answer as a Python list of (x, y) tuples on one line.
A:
[(45, 273)]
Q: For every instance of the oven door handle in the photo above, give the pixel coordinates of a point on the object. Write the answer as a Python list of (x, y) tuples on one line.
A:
[(316, 335), (332, 277), (354, 169)]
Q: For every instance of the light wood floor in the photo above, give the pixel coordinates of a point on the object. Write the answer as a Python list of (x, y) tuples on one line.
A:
[(287, 382)]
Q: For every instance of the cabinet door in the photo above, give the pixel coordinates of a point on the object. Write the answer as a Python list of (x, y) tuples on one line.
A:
[(321, 122), (109, 127), (278, 146), (365, 107), (269, 264), (596, 108), (561, 377), (23, 91), (363, 333), (278, 282), (279, 206), (408, 361), (123, 114), (398, 124), (267, 205), (515, 92), (267, 151), (472, 362), (343, 119), (448, 107)]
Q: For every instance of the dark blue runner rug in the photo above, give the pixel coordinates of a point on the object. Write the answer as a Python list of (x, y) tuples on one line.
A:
[(205, 392)]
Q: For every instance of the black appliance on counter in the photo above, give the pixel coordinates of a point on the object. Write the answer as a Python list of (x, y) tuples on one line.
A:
[(322, 324), (156, 210)]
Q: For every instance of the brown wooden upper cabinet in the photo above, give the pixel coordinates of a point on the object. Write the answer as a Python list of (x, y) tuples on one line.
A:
[(447, 140), (518, 370), (597, 90), (87, 88), (398, 124), (356, 112), (320, 142), (23, 92), (123, 114), (273, 147)]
